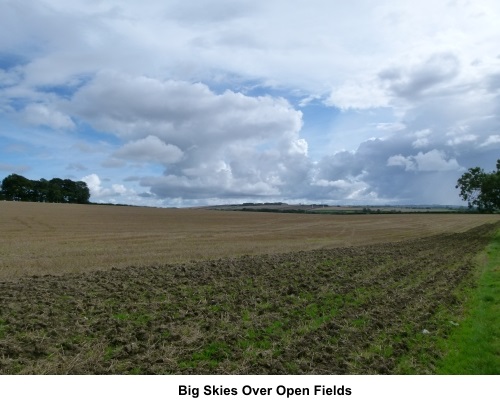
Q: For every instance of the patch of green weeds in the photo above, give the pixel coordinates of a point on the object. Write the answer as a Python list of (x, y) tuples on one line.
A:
[(382, 346), (3, 328), (110, 352), (360, 322), (291, 368), (265, 306), (74, 340), (138, 319), (327, 263), (385, 350), (255, 339), (211, 355), (312, 310), (306, 295), (16, 367), (135, 371), (319, 312), (215, 308), (359, 297), (166, 334), (110, 302), (122, 316), (245, 316), (272, 336), (275, 329), (142, 319)]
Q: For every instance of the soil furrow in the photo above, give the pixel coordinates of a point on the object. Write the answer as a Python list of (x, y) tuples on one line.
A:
[(367, 310)]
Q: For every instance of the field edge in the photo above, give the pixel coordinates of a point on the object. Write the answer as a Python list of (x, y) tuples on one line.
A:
[(474, 347)]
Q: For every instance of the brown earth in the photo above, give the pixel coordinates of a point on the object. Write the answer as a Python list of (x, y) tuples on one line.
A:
[(348, 310), (39, 239)]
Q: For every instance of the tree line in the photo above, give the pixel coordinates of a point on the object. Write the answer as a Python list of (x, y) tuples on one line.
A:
[(18, 188)]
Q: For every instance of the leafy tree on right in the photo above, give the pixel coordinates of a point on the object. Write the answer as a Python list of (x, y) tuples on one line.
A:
[(481, 190)]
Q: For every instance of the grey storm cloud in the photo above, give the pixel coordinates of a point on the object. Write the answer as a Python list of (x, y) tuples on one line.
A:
[(378, 169), (437, 69)]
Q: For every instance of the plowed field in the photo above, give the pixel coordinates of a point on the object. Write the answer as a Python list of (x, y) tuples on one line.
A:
[(376, 309)]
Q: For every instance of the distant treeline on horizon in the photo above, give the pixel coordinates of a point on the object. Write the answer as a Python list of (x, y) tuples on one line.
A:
[(18, 188)]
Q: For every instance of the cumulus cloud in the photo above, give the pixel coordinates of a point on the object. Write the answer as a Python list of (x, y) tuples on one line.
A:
[(491, 140), (220, 184), (241, 173), (39, 114), (180, 112), (226, 144), (363, 94), (149, 149), (420, 143), (462, 139), (98, 191), (399, 160), (391, 126), (433, 160)]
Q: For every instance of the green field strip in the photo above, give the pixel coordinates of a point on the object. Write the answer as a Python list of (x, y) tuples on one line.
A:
[(474, 347)]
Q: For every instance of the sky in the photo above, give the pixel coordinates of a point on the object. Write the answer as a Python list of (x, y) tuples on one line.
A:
[(189, 103)]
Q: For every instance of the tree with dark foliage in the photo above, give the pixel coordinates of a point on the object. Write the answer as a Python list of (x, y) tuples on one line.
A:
[(19, 188), (481, 190)]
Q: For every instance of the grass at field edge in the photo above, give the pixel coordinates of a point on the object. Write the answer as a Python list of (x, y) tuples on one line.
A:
[(474, 348)]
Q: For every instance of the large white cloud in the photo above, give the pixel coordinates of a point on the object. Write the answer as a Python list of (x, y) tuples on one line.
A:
[(98, 191), (40, 114), (184, 113), (210, 144), (150, 149)]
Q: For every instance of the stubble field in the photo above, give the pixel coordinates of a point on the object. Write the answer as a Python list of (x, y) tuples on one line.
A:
[(97, 290), (38, 239)]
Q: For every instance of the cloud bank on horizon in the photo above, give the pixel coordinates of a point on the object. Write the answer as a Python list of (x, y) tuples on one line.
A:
[(175, 103)]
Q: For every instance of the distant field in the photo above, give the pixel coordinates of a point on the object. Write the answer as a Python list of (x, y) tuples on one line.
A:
[(337, 209), (37, 238)]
